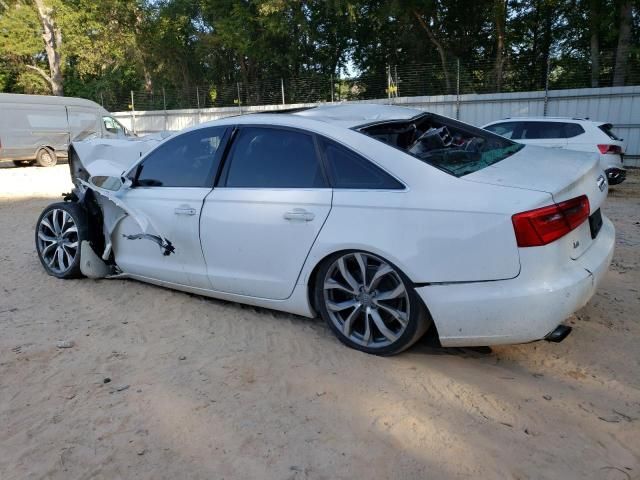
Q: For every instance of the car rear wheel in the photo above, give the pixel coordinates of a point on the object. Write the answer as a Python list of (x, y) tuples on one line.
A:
[(60, 230), (46, 157), (23, 163), (369, 304)]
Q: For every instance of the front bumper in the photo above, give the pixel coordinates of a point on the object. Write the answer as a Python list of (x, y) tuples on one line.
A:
[(522, 309), (616, 176)]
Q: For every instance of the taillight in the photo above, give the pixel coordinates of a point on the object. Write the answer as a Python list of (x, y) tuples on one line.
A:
[(610, 149), (547, 224)]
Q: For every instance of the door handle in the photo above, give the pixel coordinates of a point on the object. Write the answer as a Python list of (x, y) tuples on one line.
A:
[(299, 215), (185, 211)]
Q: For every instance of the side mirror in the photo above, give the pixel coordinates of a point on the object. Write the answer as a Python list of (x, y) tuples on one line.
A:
[(113, 184)]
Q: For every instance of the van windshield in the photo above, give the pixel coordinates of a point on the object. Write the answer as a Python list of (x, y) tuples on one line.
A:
[(452, 146)]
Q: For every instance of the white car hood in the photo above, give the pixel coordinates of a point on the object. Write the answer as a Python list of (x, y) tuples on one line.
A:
[(111, 157)]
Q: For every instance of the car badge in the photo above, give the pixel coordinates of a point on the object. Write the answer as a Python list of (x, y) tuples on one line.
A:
[(601, 182)]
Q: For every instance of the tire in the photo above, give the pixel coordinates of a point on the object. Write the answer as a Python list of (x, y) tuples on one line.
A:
[(46, 157), (60, 230), (23, 163), (356, 311)]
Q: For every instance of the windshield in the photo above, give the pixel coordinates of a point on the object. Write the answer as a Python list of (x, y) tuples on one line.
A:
[(452, 146)]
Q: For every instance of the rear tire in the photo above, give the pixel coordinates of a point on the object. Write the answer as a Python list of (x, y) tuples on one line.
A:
[(60, 230), (369, 304), (23, 163), (46, 157)]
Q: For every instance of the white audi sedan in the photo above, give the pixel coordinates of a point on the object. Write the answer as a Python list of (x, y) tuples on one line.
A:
[(386, 221)]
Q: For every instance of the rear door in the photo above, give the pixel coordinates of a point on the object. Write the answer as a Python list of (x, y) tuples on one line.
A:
[(168, 192), (543, 134), (269, 205), (83, 123)]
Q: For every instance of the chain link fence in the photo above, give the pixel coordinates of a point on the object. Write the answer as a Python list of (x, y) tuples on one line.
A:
[(450, 77)]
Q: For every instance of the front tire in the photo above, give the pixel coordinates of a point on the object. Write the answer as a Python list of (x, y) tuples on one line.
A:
[(60, 230), (46, 157), (369, 303)]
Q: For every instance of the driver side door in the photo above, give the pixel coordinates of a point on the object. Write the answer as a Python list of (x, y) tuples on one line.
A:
[(160, 239)]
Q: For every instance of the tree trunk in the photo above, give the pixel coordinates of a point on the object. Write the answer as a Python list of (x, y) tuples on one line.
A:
[(500, 13), (594, 29), (624, 38), (52, 37), (547, 39), (439, 47)]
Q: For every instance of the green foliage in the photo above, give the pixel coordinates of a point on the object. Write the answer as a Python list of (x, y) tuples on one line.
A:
[(113, 46)]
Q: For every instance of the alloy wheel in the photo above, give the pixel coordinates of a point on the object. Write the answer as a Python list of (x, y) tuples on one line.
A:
[(58, 240), (366, 299)]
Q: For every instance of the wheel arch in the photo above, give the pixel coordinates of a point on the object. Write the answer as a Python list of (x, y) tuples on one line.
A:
[(312, 276)]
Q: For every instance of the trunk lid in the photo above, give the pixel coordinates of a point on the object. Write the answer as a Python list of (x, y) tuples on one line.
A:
[(563, 174)]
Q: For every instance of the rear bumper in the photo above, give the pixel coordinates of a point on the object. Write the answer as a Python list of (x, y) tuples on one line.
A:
[(523, 309)]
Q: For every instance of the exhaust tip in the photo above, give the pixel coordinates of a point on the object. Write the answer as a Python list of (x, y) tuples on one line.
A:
[(559, 334)]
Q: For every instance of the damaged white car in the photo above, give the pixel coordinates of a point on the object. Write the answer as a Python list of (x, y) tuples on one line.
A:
[(387, 221)]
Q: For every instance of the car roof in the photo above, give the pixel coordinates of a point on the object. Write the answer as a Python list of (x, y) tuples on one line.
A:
[(355, 115), (322, 117), (48, 100), (546, 119)]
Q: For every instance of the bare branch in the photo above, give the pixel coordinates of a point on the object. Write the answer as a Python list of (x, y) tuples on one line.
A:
[(40, 71)]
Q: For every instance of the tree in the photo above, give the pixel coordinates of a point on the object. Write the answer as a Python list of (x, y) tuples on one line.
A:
[(500, 15), (52, 37), (624, 39)]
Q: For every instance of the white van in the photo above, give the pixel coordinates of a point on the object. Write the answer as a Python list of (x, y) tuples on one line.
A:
[(39, 128)]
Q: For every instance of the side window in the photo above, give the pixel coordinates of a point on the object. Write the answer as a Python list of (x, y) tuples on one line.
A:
[(188, 160), (111, 126), (541, 130), (572, 130), (347, 169), (507, 129), (273, 158)]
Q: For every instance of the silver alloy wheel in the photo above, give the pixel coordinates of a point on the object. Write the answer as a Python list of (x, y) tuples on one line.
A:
[(58, 240), (366, 300)]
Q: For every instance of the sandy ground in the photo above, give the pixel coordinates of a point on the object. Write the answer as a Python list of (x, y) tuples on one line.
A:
[(221, 391)]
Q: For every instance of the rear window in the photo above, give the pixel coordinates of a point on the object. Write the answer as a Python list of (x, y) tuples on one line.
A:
[(451, 146), (524, 130), (608, 129)]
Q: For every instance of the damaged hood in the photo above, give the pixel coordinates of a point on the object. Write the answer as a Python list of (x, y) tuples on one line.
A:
[(112, 156)]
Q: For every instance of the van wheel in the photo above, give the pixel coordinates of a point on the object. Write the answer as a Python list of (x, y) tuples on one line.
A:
[(46, 157), (23, 163)]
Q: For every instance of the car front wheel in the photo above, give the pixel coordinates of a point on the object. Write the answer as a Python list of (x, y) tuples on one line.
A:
[(60, 230), (369, 304)]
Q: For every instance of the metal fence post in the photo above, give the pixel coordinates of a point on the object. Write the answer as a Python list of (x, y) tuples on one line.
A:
[(101, 100), (133, 114), (458, 90), (198, 102), (332, 85), (388, 82), (397, 88), (546, 88), (239, 100), (282, 88), (164, 107)]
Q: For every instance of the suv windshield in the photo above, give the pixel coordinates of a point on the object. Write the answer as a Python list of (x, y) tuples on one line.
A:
[(452, 146)]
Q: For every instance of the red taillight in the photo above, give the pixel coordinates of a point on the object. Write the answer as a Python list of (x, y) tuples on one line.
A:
[(610, 149), (547, 224)]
